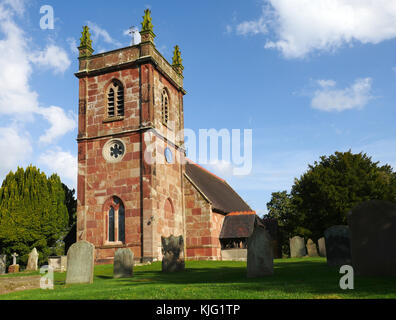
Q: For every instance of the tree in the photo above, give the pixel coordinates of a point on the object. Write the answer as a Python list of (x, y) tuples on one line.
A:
[(331, 187), (32, 212), (71, 204), (282, 209)]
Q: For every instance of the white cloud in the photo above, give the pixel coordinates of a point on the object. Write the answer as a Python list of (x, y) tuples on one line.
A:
[(329, 98), (17, 5), (72, 45), (98, 32), (16, 97), (326, 83), (62, 163), (221, 168), (60, 123), (52, 57), (18, 102), (252, 27), (16, 149), (301, 27)]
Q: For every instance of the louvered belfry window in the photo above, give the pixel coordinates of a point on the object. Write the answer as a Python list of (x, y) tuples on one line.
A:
[(165, 106), (115, 99)]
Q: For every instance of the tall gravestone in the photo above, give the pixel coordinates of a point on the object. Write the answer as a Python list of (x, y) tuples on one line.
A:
[(311, 248), (3, 263), (297, 247), (322, 247), (32, 260), (172, 254), (338, 246), (260, 257), (373, 238), (123, 263), (80, 263)]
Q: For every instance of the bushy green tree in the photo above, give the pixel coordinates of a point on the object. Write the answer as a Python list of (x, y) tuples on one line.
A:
[(71, 204), (281, 208), (32, 213), (330, 188)]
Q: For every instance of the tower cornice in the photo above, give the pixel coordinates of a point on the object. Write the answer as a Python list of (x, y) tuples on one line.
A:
[(128, 57)]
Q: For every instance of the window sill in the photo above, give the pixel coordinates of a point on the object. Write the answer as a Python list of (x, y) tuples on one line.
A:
[(112, 119), (116, 244)]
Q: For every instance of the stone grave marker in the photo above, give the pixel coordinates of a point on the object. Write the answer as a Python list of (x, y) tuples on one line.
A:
[(80, 263), (14, 268), (322, 247), (3, 263), (311, 248), (373, 238), (172, 253), (338, 247), (32, 260), (297, 247), (123, 263), (260, 256), (58, 263)]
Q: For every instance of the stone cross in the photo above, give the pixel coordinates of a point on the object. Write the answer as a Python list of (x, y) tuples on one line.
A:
[(14, 255)]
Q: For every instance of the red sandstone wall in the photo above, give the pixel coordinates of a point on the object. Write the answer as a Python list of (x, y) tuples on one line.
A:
[(202, 226), (99, 180), (168, 197)]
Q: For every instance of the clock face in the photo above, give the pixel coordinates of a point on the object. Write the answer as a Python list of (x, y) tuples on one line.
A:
[(168, 155)]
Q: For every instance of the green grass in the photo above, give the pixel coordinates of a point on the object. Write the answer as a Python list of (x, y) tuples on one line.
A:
[(20, 274), (305, 278)]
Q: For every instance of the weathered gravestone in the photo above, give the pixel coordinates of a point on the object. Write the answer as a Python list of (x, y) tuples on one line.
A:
[(260, 255), (297, 247), (373, 238), (123, 263), (58, 263), (32, 260), (80, 262), (14, 268), (311, 248), (3, 263), (172, 254), (338, 247), (322, 247)]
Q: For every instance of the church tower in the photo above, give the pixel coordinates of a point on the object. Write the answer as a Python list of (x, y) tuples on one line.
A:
[(130, 152)]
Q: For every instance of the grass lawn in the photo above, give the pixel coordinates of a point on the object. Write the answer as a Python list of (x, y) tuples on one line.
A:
[(305, 278)]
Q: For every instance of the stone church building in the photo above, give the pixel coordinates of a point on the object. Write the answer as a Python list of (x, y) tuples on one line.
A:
[(134, 183)]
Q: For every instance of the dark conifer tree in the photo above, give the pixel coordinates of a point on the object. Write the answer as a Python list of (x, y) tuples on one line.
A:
[(32, 213)]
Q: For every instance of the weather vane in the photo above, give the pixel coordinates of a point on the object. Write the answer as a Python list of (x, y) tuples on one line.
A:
[(134, 32)]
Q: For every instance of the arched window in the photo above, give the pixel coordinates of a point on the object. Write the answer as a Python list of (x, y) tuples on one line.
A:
[(168, 208), (116, 221), (115, 99), (165, 106)]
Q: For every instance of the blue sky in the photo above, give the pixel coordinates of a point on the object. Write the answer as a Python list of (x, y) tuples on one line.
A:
[(308, 77)]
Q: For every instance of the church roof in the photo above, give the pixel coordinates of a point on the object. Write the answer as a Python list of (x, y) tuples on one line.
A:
[(223, 198), (239, 225)]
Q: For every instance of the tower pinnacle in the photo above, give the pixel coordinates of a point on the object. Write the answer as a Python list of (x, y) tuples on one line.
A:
[(85, 47)]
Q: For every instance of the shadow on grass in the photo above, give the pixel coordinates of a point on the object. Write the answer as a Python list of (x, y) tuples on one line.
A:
[(312, 277), (293, 278)]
